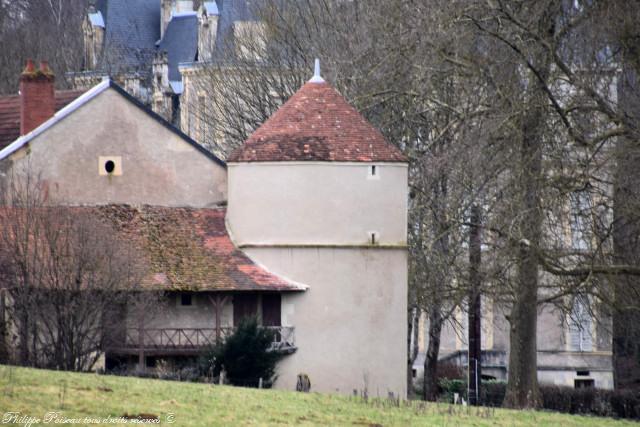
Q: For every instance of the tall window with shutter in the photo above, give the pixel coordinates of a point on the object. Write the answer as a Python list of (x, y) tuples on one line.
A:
[(580, 338)]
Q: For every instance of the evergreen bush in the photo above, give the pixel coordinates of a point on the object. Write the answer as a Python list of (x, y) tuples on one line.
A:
[(245, 357)]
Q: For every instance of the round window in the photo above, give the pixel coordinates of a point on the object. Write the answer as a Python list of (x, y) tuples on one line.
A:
[(109, 166)]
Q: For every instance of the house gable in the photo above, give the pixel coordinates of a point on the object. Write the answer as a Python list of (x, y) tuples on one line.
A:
[(151, 161)]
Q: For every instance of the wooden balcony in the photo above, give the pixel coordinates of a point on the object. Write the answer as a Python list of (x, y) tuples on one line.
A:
[(190, 341)]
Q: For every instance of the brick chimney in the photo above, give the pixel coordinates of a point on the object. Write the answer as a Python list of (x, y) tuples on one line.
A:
[(37, 99)]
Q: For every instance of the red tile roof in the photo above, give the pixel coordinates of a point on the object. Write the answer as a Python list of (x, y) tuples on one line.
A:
[(10, 113), (189, 249), (317, 123)]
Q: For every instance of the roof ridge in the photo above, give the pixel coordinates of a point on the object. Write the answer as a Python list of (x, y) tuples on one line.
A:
[(184, 15)]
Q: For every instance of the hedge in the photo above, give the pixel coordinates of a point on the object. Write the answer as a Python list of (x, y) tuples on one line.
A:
[(585, 401)]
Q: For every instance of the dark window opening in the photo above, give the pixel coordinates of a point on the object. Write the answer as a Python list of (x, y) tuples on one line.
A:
[(185, 299), (271, 309), (373, 238), (151, 362), (582, 373), (244, 307), (584, 383), (109, 166), (414, 373), (373, 170)]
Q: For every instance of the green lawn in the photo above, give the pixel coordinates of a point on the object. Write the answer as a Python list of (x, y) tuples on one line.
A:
[(34, 393)]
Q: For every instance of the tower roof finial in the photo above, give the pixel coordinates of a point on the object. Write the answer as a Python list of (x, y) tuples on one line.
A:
[(316, 74)]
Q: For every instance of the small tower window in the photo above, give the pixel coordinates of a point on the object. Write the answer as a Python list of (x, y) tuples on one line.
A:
[(373, 172), (374, 238)]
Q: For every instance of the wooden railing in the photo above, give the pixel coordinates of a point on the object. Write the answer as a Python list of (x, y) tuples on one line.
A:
[(194, 338), (283, 337)]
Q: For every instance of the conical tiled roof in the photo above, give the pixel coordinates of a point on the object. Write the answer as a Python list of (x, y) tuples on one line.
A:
[(317, 124)]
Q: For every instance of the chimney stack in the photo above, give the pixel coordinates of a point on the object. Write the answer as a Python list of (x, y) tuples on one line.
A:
[(37, 98)]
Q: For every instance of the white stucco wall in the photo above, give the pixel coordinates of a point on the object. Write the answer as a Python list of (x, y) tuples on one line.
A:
[(351, 325), (157, 166), (200, 314), (310, 222), (317, 203)]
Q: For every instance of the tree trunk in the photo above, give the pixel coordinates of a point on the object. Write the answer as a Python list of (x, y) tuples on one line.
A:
[(522, 387), (475, 330), (433, 350), (23, 332), (412, 346), (626, 235), (4, 343)]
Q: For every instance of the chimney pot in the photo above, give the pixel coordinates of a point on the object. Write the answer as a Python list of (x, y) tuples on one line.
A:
[(29, 67), (44, 67)]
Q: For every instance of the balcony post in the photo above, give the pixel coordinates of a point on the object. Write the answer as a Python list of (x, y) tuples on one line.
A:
[(218, 304)]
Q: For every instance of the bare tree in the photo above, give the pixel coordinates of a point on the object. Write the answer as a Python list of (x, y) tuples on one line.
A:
[(48, 30), (67, 275)]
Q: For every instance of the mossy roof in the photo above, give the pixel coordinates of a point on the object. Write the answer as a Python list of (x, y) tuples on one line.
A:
[(189, 249)]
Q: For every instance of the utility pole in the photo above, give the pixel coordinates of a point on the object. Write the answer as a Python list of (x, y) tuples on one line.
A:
[(475, 332)]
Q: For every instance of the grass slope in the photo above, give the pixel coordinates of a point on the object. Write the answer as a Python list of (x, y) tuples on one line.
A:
[(34, 392)]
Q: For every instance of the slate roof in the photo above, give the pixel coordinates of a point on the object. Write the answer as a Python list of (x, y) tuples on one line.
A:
[(317, 124), (10, 113), (229, 12), (132, 28), (180, 41), (189, 249), (132, 32)]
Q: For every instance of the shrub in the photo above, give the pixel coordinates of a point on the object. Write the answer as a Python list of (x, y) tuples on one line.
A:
[(448, 387), (625, 404), (591, 401), (556, 398), (585, 401), (450, 371), (492, 392), (245, 356)]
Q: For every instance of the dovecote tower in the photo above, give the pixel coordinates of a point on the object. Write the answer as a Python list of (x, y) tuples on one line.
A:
[(318, 195)]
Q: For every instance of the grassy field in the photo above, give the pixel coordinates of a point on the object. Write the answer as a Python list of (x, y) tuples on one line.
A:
[(32, 394)]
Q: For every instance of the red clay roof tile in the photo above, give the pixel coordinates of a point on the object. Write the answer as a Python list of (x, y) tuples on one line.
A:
[(10, 113), (189, 249), (317, 124)]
